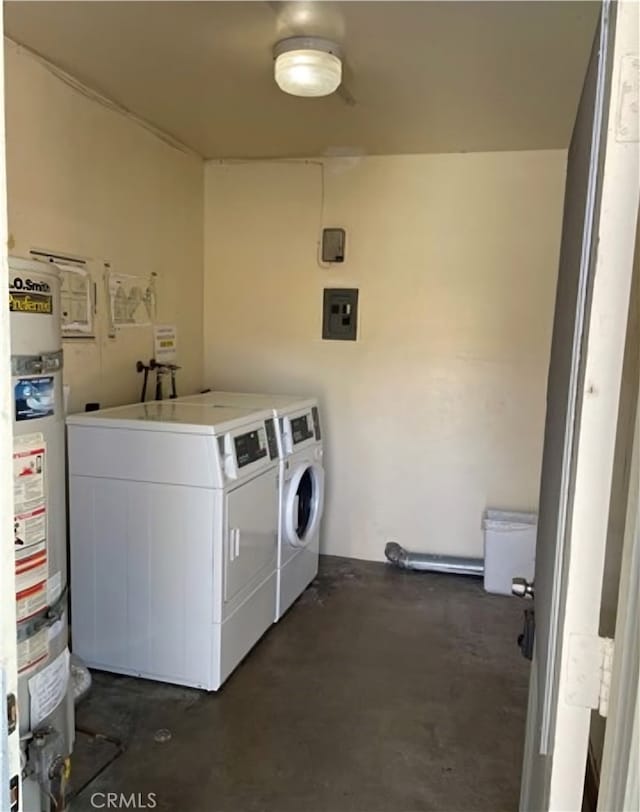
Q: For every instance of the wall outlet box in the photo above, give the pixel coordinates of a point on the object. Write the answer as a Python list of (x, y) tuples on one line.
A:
[(340, 314), (333, 241)]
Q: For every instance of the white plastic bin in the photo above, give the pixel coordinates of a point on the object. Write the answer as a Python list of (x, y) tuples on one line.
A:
[(509, 548)]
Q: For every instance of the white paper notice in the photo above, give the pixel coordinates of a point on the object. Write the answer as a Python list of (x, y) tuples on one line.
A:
[(75, 299), (132, 300), (48, 688), (165, 342)]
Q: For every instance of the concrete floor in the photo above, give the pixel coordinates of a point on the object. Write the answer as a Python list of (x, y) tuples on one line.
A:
[(379, 691)]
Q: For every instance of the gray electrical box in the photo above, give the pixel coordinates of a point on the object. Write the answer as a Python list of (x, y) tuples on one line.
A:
[(333, 240), (340, 314)]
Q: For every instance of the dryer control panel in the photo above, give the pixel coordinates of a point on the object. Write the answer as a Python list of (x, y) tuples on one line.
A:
[(250, 447), (245, 452)]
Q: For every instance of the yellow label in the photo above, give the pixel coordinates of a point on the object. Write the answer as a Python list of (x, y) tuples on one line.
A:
[(23, 302)]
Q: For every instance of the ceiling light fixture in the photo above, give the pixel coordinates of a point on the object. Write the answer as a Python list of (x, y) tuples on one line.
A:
[(307, 66)]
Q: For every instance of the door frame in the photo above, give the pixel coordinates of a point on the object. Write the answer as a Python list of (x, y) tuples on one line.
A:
[(620, 763), (9, 744), (556, 781)]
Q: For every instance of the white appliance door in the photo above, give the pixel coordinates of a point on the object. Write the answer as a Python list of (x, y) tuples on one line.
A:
[(304, 503), (592, 300), (251, 538)]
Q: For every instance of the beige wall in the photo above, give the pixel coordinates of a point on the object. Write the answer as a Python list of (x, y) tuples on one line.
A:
[(438, 409), (87, 181)]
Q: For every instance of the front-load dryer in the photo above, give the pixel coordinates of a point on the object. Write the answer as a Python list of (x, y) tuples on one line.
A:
[(174, 538), (301, 483)]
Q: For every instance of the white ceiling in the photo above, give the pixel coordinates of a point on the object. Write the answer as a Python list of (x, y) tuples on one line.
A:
[(426, 76)]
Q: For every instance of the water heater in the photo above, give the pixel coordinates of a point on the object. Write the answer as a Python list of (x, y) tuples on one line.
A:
[(45, 692)]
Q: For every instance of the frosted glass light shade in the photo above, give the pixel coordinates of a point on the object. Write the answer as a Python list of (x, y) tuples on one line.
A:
[(305, 67)]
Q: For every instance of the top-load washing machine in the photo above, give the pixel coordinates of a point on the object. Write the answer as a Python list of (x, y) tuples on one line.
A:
[(301, 483), (173, 535)]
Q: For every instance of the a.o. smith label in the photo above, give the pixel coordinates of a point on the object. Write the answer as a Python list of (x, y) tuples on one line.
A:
[(30, 296)]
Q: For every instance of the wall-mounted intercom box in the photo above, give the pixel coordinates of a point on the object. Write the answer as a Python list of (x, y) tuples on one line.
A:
[(333, 244)]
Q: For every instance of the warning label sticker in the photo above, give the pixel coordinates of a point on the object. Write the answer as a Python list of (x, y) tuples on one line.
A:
[(32, 569), (28, 471), (29, 500), (30, 524), (33, 650), (30, 527), (34, 397), (31, 601)]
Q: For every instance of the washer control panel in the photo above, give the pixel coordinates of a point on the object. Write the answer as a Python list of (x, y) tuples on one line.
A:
[(300, 429)]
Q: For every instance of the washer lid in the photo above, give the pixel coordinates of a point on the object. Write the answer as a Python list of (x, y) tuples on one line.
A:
[(280, 404), (172, 415)]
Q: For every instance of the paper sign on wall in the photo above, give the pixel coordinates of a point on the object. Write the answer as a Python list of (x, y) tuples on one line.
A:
[(165, 343), (75, 300), (132, 300)]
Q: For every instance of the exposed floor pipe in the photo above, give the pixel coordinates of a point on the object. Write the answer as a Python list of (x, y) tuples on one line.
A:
[(428, 562)]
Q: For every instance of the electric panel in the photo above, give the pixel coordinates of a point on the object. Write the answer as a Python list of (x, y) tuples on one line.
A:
[(340, 314)]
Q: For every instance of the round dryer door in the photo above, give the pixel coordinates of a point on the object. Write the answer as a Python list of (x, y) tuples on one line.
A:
[(304, 503)]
